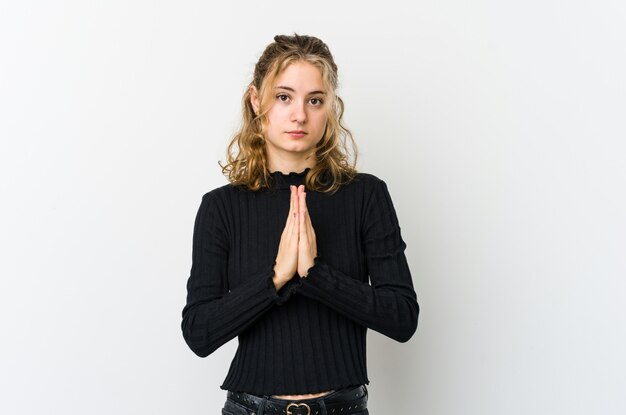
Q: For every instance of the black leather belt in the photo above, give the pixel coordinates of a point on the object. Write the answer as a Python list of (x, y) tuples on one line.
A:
[(340, 402)]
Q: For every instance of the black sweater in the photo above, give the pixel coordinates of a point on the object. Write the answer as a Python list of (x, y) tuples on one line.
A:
[(310, 335)]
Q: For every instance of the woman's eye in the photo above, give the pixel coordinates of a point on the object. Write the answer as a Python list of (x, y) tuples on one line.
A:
[(316, 101), (282, 97)]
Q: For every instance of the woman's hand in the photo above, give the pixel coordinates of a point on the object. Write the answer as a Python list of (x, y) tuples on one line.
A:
[(298, 247), (287, 257), (307, 244)]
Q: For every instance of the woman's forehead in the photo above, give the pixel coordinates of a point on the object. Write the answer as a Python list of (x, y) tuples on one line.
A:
[(301, 77)]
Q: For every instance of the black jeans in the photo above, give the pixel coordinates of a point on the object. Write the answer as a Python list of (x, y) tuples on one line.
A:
[(235, 408)]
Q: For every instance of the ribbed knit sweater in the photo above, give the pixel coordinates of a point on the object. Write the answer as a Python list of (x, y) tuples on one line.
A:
[(309, 336)]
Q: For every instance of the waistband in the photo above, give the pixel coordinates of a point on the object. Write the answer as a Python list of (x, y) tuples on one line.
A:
[(343, 401)]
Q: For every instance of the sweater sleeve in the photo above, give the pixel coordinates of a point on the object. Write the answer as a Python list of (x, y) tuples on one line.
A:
[(213, 314), (389, 305)]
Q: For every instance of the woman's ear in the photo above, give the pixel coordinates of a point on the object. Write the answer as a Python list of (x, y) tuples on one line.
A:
[(254, 99)]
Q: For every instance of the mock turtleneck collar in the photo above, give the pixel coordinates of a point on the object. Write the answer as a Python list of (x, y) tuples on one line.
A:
[(284, 180)]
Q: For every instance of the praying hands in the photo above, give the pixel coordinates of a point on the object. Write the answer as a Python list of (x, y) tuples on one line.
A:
[(298, 247)]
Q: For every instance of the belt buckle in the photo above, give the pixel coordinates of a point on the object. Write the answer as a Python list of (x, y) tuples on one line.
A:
[(297, 405)]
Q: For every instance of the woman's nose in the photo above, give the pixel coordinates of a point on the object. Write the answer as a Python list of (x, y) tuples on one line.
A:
[(299, 113)]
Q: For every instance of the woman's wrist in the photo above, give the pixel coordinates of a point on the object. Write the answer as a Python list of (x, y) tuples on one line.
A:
[(279, 280), (278, 283)]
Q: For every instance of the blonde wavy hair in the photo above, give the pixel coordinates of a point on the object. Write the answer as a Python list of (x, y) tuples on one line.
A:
[(246, 153)]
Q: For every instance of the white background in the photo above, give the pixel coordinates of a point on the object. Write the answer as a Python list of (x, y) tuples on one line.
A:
[(497, 125)]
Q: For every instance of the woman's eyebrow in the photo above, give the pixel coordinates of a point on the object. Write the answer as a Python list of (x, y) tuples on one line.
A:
[(293, 90)]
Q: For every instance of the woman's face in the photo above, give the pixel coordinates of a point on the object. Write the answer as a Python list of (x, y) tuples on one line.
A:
[(297, 116)]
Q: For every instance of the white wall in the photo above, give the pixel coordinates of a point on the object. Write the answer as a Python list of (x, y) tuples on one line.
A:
[(498, 126)]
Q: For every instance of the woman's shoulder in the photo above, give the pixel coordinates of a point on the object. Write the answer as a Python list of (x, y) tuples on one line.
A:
[(367, 180), (367, 177), (372, 186), (217, 192), (360, 181), (219, 196), (363, 186)]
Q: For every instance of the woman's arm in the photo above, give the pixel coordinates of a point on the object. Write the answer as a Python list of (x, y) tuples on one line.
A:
[(214, 314), (389, 305)]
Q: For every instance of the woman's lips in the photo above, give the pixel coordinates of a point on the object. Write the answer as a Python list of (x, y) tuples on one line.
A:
[(296, 133)]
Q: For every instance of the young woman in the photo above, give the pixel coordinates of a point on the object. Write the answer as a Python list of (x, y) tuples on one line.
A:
[(284, 254)]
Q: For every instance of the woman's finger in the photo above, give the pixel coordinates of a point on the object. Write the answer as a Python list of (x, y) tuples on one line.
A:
[(293, 217), (310, 232), (301, 211), (293, 201), (287, 228), (295, 221)]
